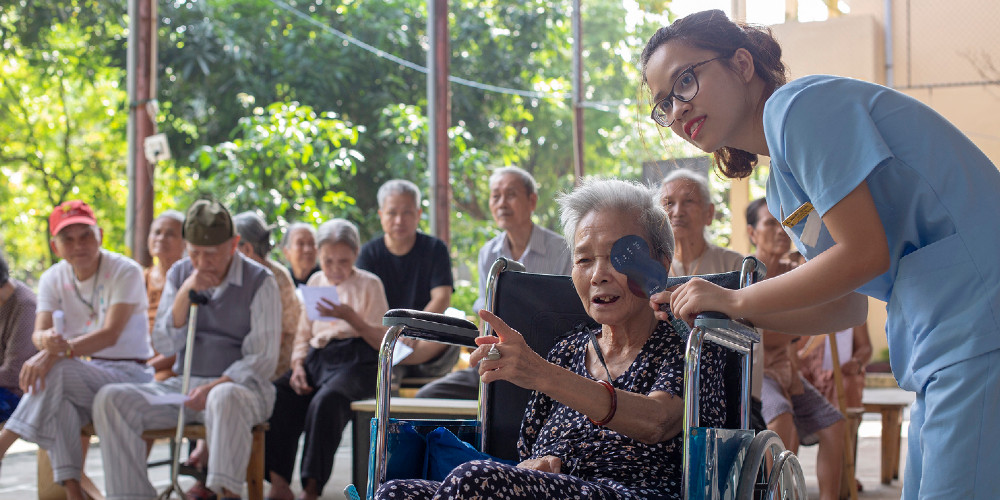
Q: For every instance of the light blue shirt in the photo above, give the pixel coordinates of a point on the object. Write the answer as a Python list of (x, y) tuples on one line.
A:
[(937, 195), (547, 253)]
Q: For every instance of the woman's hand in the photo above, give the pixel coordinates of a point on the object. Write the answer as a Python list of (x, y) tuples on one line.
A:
[(518, 364), (697, 296), (548, 463), (342, 311), (299, 381)]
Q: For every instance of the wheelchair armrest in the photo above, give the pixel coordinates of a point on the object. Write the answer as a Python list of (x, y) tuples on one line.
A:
[(432, 326), (722, 329)]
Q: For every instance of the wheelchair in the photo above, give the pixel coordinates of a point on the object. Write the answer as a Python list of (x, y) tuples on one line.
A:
[(718, 463)]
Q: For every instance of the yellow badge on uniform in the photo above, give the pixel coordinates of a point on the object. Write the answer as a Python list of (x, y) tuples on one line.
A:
[(797, 216)]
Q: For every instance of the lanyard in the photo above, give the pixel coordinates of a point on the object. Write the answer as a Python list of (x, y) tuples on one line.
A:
[(600, 355), (93, 293)]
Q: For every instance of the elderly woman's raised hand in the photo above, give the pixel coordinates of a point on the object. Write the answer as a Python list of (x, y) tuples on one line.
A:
[(518, 363)]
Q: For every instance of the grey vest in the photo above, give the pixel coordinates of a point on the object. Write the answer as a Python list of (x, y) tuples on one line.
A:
[(223, 323)]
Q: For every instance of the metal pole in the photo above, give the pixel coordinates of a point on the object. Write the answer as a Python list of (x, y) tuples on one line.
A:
[(130, 128), (578, 128), (140, 73), (438, 111), (890, 79)]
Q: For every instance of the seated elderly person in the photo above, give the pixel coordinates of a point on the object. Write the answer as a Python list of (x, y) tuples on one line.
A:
[(255, 243), (233, 357), (605, 420), (334, 362), (166, 247), (299, 249), (17, 322), (103, 339)]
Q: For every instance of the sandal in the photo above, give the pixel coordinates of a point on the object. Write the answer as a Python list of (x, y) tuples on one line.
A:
[(199, 492)]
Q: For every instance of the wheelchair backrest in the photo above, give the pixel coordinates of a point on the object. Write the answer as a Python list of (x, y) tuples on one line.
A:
[(542, 307)]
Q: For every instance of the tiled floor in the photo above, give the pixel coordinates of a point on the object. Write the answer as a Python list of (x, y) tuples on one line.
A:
[(18, 473)]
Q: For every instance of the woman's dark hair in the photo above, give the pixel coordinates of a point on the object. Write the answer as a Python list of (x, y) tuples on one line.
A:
[(253, 230), (712, 30), (753, 209), (4, 271)]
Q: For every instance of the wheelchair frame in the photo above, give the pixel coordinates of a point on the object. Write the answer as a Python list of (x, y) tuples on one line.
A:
[(785, 479)]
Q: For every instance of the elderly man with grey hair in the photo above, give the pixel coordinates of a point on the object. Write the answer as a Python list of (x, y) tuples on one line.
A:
[(416, 271), (334, 362), (100, 339), (685, 196), (232, 360), (513, 198)]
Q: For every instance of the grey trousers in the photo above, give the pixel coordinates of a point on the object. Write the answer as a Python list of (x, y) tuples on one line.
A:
[(122, 413), (53, 417)]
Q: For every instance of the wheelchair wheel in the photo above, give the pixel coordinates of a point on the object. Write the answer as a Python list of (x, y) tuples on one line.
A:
[(786, 480), (766, 451)]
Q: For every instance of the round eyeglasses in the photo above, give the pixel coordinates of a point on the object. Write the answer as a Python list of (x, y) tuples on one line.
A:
[(684, 89)]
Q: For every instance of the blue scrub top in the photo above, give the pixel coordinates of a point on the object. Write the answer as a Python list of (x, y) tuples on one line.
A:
[(938, 197)]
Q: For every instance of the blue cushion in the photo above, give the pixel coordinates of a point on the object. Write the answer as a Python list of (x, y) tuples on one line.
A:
[(445, 451)]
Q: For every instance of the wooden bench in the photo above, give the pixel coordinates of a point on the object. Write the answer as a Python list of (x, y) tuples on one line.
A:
[(889, 403), (363, 411), (255, 467)]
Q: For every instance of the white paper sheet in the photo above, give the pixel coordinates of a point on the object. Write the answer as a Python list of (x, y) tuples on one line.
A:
[(165, 399), (845, 348), (400, 352), (311, 296)]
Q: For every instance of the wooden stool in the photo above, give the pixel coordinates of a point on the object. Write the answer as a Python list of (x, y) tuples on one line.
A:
[(48, 489), (892, 427), (255, 467)]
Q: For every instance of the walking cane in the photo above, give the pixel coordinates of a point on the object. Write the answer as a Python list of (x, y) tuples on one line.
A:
[(197, 299)]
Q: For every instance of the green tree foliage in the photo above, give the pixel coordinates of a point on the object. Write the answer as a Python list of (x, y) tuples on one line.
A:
[(62, 120), (213, 52), (267, 106), (286, 161)]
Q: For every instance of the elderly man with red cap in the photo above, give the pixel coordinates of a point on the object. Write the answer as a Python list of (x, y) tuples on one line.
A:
[(233, 358), (91, 304)]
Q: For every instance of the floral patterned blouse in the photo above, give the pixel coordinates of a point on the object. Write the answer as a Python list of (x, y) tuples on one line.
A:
[(602, 455)]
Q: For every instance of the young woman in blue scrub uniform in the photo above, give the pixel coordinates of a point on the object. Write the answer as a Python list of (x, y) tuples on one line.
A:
[(885, 198)]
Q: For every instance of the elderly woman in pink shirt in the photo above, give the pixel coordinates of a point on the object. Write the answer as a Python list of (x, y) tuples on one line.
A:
[(334, 362)]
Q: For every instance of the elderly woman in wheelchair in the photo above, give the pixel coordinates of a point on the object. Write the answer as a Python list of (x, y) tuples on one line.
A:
[(605, 418)]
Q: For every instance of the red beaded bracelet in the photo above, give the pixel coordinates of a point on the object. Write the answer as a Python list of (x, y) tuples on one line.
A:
[(614, 404)]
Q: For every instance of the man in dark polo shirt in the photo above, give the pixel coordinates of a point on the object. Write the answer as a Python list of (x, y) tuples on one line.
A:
[(415, 269), (234, 355)]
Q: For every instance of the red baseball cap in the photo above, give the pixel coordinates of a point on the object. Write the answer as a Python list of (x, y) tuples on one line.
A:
[(70, 212)]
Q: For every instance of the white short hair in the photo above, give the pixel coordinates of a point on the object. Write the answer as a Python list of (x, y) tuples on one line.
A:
[(397, 186), (598, 195)]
